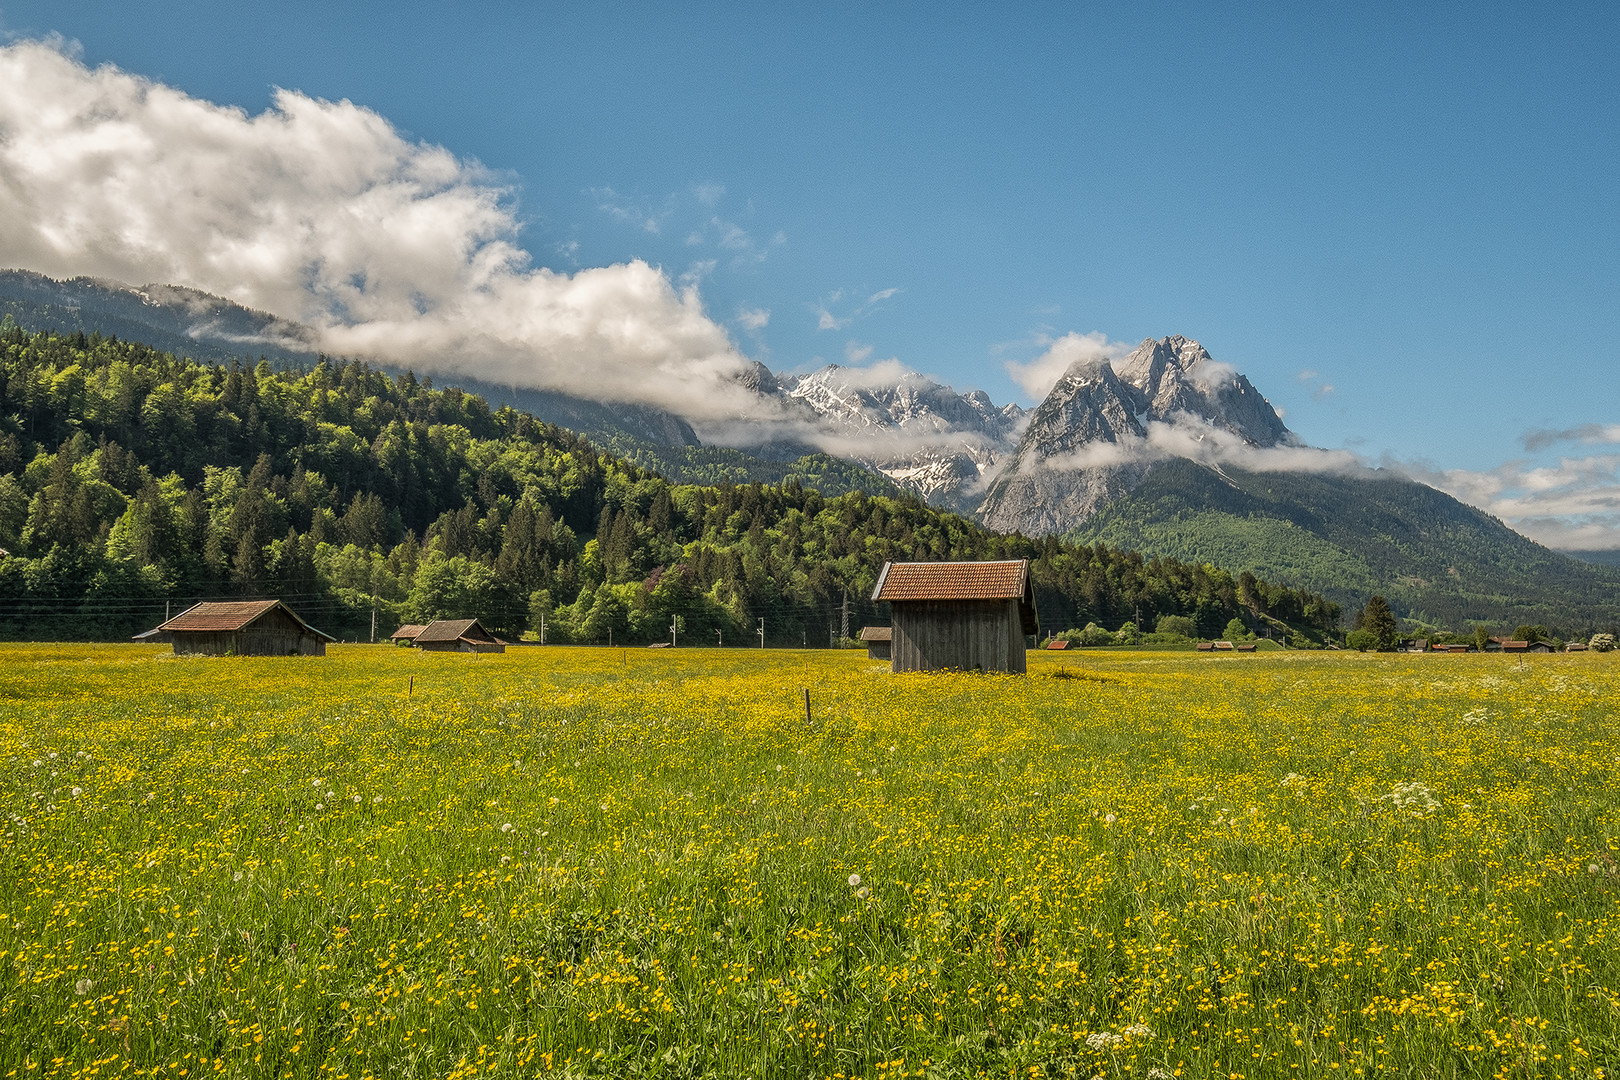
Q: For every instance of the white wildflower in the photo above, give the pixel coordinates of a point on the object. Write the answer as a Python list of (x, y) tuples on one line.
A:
[(320, 806), (508, 827), (1411, 795), (1109, 819), (77, 792), (1103, 1040), (1157, 1073), (1139, 1031), (356, 799), (237, 876)]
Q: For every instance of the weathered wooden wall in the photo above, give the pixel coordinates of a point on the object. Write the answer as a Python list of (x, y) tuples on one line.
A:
[(878, 650), (272, 634), (964, 635)]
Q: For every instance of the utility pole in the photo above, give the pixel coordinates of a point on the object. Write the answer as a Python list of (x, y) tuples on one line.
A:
[(610, 637), (542, 628), (845, 634), (672, 619), (762, 633), (165, 611), (374, 619)]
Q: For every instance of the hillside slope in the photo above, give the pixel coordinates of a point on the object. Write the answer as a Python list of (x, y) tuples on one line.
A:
[(1348, 536)]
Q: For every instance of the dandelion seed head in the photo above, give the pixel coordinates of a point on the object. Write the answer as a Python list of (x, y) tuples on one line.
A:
[(854, 881)]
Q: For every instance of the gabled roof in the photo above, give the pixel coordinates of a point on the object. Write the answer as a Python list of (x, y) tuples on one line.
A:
[(1007, 580), (454, 630), (228, 615), (408, 631), (877, 633)]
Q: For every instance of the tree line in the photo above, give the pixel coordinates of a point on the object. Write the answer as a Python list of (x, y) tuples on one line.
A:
[(134, 481)]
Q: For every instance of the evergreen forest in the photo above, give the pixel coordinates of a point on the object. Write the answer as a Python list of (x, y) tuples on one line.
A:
[(135, 482)]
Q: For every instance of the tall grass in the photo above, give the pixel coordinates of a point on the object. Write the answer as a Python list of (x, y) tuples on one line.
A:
[(621, 863)]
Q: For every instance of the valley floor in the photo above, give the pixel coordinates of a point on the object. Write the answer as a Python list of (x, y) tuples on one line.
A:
[(576, 862)]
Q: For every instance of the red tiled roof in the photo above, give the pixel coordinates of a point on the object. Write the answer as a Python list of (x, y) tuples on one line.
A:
[(1058, 644), (877, 633), (1006, 580), (454, 630)]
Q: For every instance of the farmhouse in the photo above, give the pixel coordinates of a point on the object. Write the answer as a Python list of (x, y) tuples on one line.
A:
[(877, 640), (244, 628), (962, 616), (458, 635)]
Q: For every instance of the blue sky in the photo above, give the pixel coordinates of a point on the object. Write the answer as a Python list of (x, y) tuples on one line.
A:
[(1401, 222)]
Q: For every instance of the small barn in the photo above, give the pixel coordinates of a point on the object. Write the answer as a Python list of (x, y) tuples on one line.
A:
[(878, 639), (244, 628), (458, 635), (406, 635), (958, 615)]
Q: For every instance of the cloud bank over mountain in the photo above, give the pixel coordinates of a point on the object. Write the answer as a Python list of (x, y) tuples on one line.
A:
[(323, 213)]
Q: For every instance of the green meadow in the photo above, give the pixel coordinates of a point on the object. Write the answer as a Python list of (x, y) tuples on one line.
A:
[(592, 862)]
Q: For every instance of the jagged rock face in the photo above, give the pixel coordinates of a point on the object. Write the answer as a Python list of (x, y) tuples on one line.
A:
[(1175, 375), (920, 434), (1088, 442)]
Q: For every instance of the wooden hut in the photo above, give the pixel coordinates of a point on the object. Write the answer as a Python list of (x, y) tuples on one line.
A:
[(877, 640), (958, 616), (458, 635), (406, 635), (244, 628)]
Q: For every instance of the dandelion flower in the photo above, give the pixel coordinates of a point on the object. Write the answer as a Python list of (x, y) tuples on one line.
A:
[(83, 987), (1109, 819), (508, 827), (854, 881), (863, 892), (77, 792)]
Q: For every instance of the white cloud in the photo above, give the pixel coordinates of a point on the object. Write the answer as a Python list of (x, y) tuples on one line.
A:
[(1038, 376), (1197, 439), (708, 194), (323, 213), (1572, 504), (754, 318), (855, 352), (1585, 434)]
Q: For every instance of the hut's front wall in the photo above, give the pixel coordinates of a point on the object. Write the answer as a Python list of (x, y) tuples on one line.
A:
[(246, 643), (877, 650), (274, 633), (963, 635)]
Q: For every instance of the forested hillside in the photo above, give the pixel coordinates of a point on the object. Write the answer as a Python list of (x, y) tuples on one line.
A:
[(1434, 558), (131, 479)]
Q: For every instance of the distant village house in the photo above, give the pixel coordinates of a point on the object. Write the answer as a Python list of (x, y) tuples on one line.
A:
[(958, 615)]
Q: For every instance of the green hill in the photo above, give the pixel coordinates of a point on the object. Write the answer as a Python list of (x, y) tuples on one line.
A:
[(1433, 557)]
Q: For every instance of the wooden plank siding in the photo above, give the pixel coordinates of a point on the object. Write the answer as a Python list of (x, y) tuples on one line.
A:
[(272, 634), (960, 635)]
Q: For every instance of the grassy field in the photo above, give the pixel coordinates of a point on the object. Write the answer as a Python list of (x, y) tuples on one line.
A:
[(576, 862)]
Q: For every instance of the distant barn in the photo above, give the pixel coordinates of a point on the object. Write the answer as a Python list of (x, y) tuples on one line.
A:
[(877, 640), (958, 616), (406, 635), (458, 635), (244, 628)]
